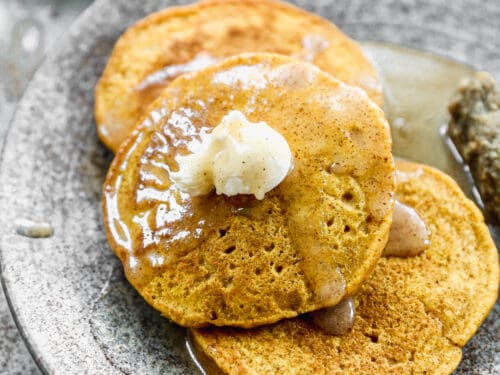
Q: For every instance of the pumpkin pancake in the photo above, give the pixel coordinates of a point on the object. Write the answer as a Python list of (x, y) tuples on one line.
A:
[(179, 39), (237, 260), (413, 315)]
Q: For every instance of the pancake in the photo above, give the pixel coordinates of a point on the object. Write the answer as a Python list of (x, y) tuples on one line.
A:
[(161, 46), (413, 315), (240, 261)]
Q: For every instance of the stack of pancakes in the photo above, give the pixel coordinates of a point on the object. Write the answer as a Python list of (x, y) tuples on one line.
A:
[(242, 272)]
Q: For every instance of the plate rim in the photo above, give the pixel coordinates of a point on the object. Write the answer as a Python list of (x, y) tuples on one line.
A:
[(55, 51)]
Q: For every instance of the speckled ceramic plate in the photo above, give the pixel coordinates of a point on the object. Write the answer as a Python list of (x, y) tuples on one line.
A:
[(67, 292)]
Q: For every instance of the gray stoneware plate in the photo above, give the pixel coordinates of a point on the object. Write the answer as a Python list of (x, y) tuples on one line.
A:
[(67, 292)]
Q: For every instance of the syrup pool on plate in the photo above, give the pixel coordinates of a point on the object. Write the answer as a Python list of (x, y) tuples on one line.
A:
[(417, 89)]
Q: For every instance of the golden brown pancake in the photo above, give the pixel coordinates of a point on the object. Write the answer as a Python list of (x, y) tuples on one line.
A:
[(207, 30), (239, 261), (413, 314)]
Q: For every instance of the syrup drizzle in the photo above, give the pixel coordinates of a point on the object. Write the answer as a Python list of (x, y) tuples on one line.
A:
[(336, 320), (165, 224), (162, 76), (408, 235)]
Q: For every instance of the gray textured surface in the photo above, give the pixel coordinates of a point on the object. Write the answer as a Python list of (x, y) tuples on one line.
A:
[(27, 29), (53, 166), (133, 336), (14, 357)]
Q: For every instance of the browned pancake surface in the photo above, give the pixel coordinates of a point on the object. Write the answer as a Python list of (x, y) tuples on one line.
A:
[(413, 314), (219, 28), (240, 261)]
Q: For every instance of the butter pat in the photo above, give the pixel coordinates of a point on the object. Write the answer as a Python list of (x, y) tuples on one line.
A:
[(237, 157)]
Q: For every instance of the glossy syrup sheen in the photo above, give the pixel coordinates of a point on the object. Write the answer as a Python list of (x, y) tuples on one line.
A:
[(342, 171), (417, 89), (336, 320), (409, 235)]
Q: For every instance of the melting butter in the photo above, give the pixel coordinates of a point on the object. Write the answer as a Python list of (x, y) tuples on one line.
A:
[(237, 157), (409, 235)]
